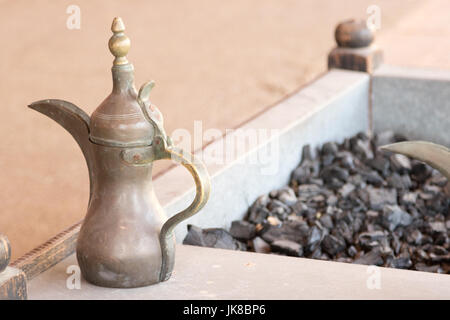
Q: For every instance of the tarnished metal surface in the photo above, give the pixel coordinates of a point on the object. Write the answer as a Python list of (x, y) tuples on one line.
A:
[(124, 240), (5, 252), (118, 121)]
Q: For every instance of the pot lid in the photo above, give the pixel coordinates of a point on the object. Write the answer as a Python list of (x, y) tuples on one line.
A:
[(119, 121)]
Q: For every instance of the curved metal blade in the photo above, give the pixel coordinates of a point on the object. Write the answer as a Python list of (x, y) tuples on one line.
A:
[(74, 120), (432, 154)]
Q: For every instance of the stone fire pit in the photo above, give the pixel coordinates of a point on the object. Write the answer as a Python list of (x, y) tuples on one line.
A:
[(351, 203)]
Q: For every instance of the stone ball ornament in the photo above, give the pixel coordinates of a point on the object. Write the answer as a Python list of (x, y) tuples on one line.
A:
[(354, 34)]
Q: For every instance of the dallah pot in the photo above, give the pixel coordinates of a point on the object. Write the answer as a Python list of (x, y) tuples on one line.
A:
[(125, 240)]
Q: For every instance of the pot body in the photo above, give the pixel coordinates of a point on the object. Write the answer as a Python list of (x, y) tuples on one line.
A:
[(118, 245), (125, 240)]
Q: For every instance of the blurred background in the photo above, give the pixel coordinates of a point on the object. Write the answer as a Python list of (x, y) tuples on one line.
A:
[(220, 62)]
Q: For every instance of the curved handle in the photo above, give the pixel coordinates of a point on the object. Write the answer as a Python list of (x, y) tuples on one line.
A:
[(162, 148), (203, 188)]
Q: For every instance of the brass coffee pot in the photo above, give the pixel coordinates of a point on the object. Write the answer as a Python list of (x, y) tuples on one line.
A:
[(125, 240)]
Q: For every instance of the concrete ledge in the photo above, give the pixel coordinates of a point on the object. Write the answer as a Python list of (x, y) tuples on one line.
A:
[(333, 107), (414, 102), (204, 273)]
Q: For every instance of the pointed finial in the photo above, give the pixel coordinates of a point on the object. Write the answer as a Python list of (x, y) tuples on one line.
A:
[(119, 43)]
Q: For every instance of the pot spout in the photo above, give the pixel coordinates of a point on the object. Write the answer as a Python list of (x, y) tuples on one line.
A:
[(74, 120)]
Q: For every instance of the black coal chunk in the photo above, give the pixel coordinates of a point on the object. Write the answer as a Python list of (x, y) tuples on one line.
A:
[(315, 236), (399, 182), (373, 257), (258, 212), (371, 177), (333, 245), (291, 230), (380, 197), (400, 163), (243, 230), (212, 238), (287, 247), (363, 148), (394, 216), (334, 172), (369, 240), (308, 169), (420, 172), (401, 263), (381, 164)]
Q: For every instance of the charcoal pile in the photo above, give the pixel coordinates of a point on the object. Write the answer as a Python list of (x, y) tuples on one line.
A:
[(353, 203)]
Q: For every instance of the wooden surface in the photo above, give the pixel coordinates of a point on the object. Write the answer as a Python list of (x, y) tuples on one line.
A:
[(49, 253), (357, 59)]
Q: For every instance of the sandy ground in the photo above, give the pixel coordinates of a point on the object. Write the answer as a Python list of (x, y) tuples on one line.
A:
[(219, 62)]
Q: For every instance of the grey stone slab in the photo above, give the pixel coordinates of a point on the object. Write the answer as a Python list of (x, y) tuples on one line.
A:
[(205, 273), (414, 102)]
